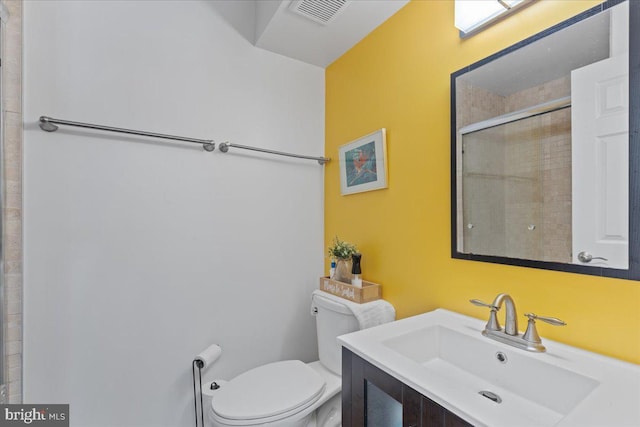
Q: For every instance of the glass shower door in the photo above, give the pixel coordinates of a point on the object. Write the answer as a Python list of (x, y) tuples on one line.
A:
[(517, 189)]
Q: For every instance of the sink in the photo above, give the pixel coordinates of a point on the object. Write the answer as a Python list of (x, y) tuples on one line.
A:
[(443, 355), (537, 390)]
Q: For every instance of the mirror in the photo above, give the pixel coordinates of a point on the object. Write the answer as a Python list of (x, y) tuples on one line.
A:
[(544, 148)]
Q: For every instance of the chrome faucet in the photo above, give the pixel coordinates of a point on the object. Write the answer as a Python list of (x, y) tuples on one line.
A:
[(510, 318), (529, 341)]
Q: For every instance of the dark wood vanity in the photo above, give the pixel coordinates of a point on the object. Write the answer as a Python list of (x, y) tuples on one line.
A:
[(371, 397)]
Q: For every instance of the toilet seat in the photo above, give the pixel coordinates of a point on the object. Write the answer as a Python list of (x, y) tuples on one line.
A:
[(268, 393)]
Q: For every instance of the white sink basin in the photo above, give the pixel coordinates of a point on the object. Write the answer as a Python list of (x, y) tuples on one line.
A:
[(537, 390), (443, 355)]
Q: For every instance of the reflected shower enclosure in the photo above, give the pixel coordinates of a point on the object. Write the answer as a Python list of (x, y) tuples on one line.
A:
[(541, 152), (524, 167)]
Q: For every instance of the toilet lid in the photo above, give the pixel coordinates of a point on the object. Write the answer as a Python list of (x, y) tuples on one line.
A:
[(268, 391)]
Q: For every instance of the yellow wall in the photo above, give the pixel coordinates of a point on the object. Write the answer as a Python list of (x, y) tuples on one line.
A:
[(398, 78)]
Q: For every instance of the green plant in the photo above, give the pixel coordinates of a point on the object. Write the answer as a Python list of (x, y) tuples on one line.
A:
[(341, 249)]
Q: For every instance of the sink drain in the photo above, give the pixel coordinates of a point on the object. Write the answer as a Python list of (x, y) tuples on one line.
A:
[(490, 395)]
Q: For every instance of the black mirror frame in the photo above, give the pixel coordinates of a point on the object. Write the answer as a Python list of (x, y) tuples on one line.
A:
[(633, 273)]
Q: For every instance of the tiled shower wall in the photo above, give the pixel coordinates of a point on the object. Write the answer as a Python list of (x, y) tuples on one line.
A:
[(12, 193)]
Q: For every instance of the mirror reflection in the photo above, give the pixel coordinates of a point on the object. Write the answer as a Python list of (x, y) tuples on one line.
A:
[(542, 152)]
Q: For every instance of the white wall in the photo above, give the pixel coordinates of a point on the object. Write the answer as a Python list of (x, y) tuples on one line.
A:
[(139, 255)]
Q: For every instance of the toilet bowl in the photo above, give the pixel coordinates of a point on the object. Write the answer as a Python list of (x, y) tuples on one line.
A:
[(292, 393), (287, 394)]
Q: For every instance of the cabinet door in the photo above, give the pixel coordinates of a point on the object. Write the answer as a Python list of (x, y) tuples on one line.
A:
[(434, 415), (411, 407), (373, 398), (452, 420), (370, 397)]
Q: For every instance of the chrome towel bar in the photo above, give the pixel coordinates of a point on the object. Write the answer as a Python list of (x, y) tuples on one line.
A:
[(224, 147), (49, 124)]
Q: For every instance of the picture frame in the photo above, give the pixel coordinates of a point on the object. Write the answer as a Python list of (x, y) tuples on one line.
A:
[(363, 163)]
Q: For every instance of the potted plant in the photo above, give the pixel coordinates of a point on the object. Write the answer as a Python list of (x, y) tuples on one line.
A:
[(342, 251)]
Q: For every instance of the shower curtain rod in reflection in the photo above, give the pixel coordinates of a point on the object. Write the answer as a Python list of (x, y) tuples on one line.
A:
[(535, 110), (49, 124)]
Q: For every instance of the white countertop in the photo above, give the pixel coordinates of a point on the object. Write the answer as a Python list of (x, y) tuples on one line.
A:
[(565, 386)]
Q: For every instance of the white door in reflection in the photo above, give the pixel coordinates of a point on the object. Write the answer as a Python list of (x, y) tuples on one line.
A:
[(600, 160)]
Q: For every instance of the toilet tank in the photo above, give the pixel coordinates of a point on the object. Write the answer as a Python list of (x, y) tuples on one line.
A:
[(332, 320)]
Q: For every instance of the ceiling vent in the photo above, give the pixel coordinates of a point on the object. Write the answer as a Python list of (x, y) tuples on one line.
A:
[(321, 11)]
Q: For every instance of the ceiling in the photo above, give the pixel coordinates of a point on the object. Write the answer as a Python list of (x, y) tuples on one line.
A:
[(274, 26), (546, 59)]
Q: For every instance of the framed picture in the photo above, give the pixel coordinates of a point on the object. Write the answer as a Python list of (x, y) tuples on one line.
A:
[(363, 163)]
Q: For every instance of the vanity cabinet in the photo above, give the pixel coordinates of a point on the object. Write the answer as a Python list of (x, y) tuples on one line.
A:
[(373, 398)]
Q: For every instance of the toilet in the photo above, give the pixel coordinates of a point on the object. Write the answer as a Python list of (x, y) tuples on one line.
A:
[(292, 393)]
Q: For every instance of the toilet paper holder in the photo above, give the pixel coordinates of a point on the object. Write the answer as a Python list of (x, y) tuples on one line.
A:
[(201, 362)]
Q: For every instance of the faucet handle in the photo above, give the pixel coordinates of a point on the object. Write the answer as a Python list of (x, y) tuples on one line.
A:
[(492, 323), (551, 320), (531, 334), (483, 304)]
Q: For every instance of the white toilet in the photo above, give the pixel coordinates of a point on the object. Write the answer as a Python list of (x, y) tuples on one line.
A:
[(291, 393)]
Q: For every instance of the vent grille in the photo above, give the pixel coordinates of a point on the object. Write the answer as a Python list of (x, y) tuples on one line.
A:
[(322, 11)]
